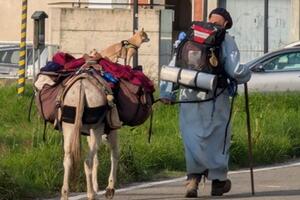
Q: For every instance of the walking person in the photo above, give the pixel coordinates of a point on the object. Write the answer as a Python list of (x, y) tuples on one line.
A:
[(204, 125)]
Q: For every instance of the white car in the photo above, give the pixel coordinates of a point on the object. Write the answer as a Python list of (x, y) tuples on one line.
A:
[(293, 44), (276, 71), (9, 59)]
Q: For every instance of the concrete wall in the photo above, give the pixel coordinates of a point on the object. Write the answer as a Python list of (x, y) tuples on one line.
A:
[(10, 17), (295, 23), (211, 4), (248, 25), (108, 6), (78, 31)]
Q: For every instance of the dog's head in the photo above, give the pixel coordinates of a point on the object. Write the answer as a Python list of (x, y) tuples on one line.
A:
[(144, 35), (140, 37)]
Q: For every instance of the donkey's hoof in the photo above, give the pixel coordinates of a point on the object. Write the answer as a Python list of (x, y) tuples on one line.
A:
[(91, 196), (109, 193)]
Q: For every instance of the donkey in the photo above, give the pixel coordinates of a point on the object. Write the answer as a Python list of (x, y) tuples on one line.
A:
[(83, 95)]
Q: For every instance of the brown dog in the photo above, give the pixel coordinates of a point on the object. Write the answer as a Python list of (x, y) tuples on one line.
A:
[(126, 48)]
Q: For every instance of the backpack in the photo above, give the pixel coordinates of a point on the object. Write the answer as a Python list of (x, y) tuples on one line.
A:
[(201, 49)]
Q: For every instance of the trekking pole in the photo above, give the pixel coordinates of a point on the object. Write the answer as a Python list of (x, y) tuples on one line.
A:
[(250, 155)]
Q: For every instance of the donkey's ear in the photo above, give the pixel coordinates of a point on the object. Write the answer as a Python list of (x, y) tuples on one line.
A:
[(143, 29)]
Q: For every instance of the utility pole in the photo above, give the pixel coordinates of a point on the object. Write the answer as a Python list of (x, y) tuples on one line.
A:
[(135, 28), (266, 26), (205, 10), (151, 4), (22, 56)]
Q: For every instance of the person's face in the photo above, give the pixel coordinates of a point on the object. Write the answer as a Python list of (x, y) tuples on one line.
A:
[(217, 19)]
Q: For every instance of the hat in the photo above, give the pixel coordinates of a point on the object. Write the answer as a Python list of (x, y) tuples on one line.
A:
[(225, 14)]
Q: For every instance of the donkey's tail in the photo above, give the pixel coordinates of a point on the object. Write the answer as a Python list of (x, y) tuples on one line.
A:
[(75, 139)]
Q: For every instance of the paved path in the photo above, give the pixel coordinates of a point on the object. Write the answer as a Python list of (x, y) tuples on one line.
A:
[(274, 183)]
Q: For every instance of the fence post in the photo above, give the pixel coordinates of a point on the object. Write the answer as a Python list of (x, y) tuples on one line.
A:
[(39, 18), (22, 58)]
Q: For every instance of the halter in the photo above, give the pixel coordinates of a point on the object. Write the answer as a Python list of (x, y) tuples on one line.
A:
[(128, 45)]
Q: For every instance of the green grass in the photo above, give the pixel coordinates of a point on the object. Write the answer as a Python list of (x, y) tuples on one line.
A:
[(30, 168), (275, 128)]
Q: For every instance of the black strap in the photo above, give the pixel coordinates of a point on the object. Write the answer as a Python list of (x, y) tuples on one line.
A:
[(44, 132), (230, 115), (196, 78), (194, 101), (178, 50), (30, 107), (179, 75), (150, 127)]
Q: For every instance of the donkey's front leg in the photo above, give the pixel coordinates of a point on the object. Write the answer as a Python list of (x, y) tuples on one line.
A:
[(114, 156), (90, 166)]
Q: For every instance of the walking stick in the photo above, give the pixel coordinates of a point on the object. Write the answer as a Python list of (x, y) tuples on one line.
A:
[(250, 155)]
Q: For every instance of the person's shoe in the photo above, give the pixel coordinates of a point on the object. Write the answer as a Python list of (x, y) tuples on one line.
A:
[(218, 188), (191, 188)]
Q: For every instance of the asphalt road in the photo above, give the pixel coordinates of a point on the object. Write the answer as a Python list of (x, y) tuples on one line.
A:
[(273, 183)]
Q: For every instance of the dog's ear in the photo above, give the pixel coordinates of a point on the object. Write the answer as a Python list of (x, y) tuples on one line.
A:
[(142, 32)]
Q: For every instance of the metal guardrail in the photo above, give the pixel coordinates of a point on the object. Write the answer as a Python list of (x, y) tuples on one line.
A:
[(17, 43), (9, 70), (79, 4)]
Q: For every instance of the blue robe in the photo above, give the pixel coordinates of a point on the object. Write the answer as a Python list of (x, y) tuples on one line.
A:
[(203, 125)]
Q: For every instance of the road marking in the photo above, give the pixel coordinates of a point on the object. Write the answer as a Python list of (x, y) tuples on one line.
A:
[(267, 168), (146, 185), (270, 186)]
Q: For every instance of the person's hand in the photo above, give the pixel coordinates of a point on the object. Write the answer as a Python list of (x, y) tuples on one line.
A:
[(166, 101)]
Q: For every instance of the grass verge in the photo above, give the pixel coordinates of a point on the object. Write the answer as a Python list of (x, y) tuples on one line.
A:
[(30, 168)]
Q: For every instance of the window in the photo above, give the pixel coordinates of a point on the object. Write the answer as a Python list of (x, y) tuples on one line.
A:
[(3, 55), (14, 59), (284, 62)]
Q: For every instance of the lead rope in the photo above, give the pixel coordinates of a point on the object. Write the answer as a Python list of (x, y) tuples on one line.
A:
[(45, 130), (150, 132), (150, 127), (197, 101), (30, 106), (214, 98)]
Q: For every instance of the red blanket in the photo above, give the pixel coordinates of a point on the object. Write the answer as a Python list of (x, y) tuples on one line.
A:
[(68, 61), (136, 77)]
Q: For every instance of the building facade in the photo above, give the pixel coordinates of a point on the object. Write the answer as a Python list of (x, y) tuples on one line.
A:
[(252, 34)]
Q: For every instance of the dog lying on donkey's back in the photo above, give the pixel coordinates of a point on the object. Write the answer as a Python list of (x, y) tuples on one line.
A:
[(126, 48)]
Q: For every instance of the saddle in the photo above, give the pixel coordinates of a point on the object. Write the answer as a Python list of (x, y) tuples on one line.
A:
[(129, 92), (50, 95)]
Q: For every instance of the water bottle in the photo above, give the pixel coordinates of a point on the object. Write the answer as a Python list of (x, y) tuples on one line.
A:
[(110, 78), (181, 37)]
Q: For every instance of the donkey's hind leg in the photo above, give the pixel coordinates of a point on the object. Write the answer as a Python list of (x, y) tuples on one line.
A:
[(68, 131), (114, 157), (91, 163), (99, 132)]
